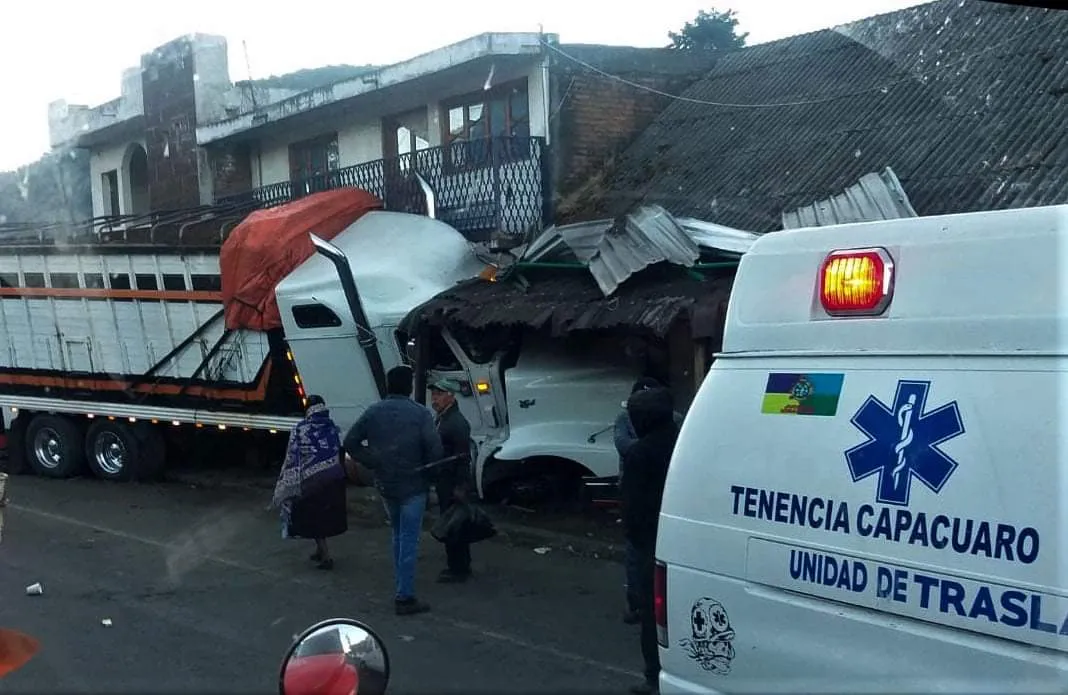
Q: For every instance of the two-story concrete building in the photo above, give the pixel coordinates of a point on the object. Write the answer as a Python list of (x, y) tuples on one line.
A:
[(501, 126)]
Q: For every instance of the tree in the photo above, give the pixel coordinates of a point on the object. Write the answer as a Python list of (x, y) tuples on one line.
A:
[(709, 31)]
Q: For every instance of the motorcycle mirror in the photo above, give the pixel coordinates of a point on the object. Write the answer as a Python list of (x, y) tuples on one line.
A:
[(16, 649), (339, 656)]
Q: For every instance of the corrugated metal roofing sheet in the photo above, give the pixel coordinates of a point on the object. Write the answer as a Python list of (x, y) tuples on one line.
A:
[(875, 197), (647, 236), (966, 100)]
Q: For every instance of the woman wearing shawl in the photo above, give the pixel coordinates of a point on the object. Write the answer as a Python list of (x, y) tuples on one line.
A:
[(311, 487)]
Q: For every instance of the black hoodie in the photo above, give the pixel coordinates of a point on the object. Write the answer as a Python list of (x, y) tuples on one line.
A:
[(646, 462)]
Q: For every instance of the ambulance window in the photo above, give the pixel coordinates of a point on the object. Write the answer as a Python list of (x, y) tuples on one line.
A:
[(9, 279), (145, 281), (315, 316)]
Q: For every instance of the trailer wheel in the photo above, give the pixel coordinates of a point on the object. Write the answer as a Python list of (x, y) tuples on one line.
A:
[(54, 446), (120, 452)]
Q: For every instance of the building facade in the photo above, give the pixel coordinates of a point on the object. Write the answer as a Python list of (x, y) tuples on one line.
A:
[(501, 126)]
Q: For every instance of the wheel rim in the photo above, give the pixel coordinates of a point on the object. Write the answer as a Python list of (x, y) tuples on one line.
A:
[(48, 448), (109, 453)]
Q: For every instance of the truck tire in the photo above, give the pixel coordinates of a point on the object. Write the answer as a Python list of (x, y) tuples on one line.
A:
[(121, 452), (53, 446)]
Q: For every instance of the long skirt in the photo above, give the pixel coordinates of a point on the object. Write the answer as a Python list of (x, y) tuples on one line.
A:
[(320, 514)]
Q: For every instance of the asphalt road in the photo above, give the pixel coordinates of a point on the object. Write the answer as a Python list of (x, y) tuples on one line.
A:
[(204, 596)]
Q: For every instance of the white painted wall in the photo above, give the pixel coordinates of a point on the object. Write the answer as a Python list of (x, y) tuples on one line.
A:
[(360, 138), (360, 142)]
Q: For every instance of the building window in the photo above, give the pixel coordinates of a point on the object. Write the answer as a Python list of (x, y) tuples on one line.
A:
[(472, 121), (310, 163)]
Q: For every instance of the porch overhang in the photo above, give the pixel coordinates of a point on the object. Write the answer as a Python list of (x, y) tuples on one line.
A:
[(461, 67)]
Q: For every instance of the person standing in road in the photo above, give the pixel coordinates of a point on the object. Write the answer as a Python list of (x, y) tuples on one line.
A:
[(394, 439), (452, 478), (624, 439), (646, 465), (310, 491)]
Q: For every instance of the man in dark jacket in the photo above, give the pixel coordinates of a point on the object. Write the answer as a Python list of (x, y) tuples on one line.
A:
[(646, 465), (624, 439), (451, 480), (393, 439)]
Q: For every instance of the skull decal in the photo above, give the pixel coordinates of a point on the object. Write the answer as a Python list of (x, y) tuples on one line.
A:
[(712, 643)]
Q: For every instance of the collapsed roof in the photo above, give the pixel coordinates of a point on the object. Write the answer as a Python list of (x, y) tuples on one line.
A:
[(614, 250)]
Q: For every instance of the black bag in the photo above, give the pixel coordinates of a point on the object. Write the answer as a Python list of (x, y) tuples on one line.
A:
[(463, 523)]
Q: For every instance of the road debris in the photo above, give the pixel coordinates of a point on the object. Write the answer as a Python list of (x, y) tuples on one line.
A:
[(544, 550), (106, 622), (34, 589)]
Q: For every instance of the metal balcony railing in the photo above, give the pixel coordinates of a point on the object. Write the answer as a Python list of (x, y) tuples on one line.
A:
[(482, 187)]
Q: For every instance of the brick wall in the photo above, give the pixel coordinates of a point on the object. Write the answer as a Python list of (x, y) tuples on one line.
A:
[(170, 126), (594, 118)]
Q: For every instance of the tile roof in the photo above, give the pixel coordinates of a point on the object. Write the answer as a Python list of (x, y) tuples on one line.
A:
[(967, 102)]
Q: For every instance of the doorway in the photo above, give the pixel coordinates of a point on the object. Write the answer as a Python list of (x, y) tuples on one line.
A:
[(404, 137)]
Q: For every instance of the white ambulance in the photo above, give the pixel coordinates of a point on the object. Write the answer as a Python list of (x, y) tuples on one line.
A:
[(870, 491)]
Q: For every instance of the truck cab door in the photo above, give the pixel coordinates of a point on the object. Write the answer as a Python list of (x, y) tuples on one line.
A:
[(480, 386)]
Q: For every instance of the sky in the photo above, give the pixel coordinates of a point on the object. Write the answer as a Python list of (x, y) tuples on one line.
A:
[(60, 49)]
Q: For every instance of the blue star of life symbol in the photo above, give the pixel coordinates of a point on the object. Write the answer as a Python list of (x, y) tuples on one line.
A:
[(903, 442)]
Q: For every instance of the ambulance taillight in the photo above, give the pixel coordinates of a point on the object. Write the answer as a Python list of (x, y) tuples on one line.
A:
[(660, 602), (857, 282)]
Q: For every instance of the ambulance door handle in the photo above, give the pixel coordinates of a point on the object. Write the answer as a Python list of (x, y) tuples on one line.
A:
[(527, 402)]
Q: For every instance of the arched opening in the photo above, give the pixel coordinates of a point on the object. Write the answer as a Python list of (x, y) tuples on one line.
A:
[(136, 166)]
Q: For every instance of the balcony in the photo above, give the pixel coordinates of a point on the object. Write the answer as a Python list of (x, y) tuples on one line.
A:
[(495, 186)]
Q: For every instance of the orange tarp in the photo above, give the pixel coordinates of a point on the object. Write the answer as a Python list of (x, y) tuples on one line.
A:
[(270, 244)]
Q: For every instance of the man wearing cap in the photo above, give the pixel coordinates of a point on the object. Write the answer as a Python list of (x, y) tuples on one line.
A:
[(452, 479), (625, 438)]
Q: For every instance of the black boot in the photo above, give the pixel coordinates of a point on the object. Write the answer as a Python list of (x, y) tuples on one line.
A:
[(411, 607)]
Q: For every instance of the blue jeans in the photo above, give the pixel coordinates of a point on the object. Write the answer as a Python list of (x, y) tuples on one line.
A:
[(407, 525)]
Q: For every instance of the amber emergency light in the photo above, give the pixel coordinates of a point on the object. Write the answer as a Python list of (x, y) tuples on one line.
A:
[(857, 282)]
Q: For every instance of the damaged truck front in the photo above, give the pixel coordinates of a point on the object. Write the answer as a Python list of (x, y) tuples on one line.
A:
[(546, 351)]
